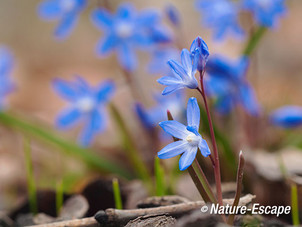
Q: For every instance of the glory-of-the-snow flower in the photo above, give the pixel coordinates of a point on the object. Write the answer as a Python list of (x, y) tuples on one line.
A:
[(189, 138), (86, 105), (128, 30)]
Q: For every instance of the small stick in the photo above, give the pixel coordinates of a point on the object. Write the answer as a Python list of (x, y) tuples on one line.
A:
[(113, 217), (121, 217)]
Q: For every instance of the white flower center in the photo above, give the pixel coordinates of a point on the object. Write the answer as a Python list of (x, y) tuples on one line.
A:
[(124, 29), (192, 139), (67, 5), (86, 104)]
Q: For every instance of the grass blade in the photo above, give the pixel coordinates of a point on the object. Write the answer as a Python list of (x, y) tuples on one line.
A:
[(31, 185), (117, 194), (46, 135)]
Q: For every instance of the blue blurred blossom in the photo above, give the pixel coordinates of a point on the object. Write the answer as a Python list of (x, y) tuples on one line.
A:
[(221, 16), (172, 14), (150, 117), (190, 139), (266, 12), (65, 11), (6, 66), (183, 74), (127, 31), (287, 116), (87, 105), (200, 51), (227, 83), (159, 59)]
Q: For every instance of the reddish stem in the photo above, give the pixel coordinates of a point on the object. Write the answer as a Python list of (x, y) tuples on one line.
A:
[(215, 150)]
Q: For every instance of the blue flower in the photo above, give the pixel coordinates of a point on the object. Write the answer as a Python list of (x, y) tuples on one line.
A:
[(266, 12), (159, 59), (287, 117), (183, 74), (227, 83), (150, 117), (128, 30), (6, 66), (221, 16), (199, 50), (65, 11), (189, 138), (87, 105)]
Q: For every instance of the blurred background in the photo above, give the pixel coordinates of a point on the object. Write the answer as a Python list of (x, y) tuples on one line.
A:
[(39, 58)]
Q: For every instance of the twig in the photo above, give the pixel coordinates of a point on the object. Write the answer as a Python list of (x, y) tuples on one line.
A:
[(113, 217), (120, 217)]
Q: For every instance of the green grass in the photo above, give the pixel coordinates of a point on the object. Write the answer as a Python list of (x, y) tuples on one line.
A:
[(31, 185)]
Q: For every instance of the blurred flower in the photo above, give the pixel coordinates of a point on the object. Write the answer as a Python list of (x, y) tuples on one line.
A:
[(159, 59), (200, 51), (265, 12), (128, 30), (190, 139), (6, 66), (65, 11), (172, 14), (221, 16), (183, 74), (287, 116), (227, 83), (87, 105), (151, 117)]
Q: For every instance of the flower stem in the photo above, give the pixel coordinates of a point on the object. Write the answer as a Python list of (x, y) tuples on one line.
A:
[(215, 150), (253, 41), (239, 187)]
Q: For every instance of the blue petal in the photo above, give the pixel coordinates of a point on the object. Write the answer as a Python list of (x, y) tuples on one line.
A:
[(105, 91), (187, 158), (125, 11), (66, 25), (224, 105), (148, 17), (49, 9), (186, 60), (175, 129), (169, 80), (6, 61), (127, 57), (96, 124), (102, 18), (193, 113), (171, 89), (249, 101), (173, 149), (178, 69), (65, 89), (68, 118), (204, 148), (287, 116), (106, 45)]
